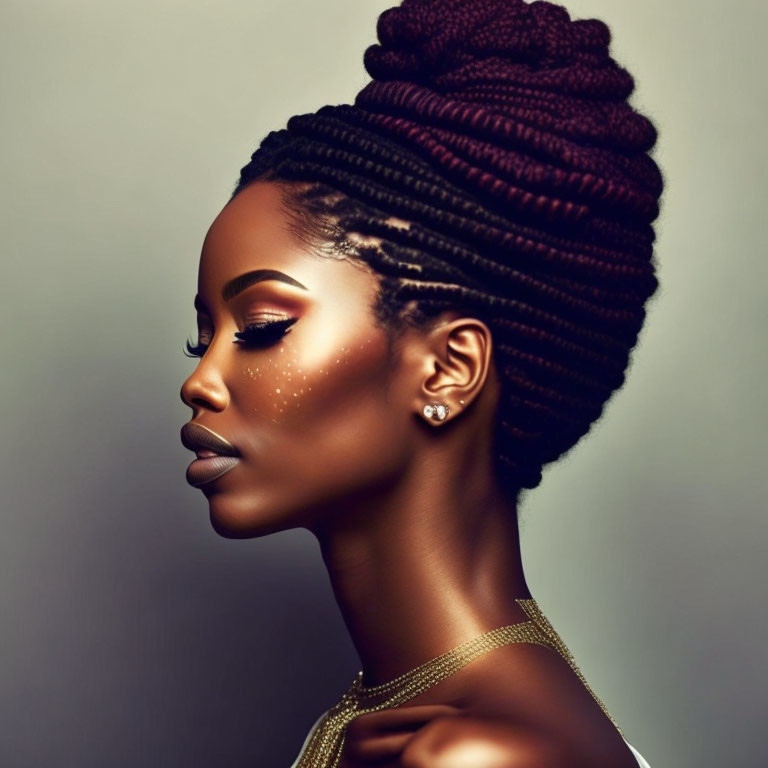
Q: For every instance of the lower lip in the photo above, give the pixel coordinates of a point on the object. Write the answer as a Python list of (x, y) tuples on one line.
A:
[(202, 471)]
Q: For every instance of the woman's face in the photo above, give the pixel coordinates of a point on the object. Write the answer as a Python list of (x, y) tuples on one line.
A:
[(309, 405)]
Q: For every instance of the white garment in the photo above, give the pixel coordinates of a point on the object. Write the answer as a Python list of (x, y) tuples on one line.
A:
[(641, 761), (306, 741)]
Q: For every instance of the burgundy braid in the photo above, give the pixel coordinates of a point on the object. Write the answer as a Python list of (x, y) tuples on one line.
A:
[(500, 130)]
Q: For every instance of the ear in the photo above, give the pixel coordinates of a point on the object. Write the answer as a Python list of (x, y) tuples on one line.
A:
[(456, 360)]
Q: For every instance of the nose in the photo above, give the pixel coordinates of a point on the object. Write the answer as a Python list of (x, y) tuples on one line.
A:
[(204, 388)]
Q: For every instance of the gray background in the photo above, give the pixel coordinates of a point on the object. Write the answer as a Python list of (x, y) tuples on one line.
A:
[(132, 635)]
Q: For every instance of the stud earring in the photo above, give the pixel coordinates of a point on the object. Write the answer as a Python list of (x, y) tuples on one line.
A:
[(436, 411)]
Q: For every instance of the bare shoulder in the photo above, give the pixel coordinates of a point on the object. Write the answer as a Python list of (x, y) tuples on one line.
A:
[(494, 742), (521, 707), (482, 742)]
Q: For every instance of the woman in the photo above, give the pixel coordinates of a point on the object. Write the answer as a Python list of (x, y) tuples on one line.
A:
[(408, 307)]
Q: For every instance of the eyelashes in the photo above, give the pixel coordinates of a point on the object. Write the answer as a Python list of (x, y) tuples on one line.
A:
[(265, 333), (253, 336)]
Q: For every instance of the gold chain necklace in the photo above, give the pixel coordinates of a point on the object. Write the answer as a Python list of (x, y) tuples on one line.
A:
[(323, 748)]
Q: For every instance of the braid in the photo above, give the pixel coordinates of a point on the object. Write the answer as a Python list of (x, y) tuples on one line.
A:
[(500, 132)]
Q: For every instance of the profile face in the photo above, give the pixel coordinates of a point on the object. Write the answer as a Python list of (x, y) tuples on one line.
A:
[(305, 396)]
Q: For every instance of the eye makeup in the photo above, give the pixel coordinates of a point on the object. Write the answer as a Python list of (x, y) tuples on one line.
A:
[(265, 333), (253, 336)]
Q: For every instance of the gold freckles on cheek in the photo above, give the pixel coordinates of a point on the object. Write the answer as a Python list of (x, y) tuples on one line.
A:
[(285, 384)]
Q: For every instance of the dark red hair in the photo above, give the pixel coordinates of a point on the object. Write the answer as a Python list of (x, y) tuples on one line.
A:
[(501, 131)]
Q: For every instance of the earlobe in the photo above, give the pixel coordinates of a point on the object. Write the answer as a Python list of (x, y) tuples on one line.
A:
[(461, 357), (436, 411)]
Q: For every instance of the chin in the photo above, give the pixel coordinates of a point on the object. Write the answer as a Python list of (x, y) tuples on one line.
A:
[(247, 518)]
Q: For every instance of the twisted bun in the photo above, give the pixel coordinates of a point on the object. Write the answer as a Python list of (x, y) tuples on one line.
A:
[(422, 41), (501, 131)]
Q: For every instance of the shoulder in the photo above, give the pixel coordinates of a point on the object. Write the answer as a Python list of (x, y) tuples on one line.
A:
[(519, 706), (483, 742)]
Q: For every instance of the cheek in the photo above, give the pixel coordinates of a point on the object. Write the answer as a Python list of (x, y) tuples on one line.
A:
[(322, 416), (293, 385)]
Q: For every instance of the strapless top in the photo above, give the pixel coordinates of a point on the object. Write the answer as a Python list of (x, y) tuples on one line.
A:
[(641, 761)]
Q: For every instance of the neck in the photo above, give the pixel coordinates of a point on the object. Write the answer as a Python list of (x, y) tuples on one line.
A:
[(422, 568)]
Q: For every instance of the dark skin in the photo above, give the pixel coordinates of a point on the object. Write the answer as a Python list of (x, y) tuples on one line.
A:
[(421, 546)]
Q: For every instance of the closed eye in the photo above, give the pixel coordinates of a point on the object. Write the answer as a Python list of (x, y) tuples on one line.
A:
[(255, 335)]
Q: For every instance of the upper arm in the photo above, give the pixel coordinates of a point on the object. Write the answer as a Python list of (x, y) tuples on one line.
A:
[(480, 742)]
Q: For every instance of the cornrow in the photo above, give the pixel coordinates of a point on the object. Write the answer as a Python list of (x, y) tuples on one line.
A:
[(499, 134)]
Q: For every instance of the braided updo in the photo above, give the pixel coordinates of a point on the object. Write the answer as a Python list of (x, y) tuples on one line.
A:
[(499, 130)]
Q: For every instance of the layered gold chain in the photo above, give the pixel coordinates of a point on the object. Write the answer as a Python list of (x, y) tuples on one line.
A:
[(532, 610), (324, 747)]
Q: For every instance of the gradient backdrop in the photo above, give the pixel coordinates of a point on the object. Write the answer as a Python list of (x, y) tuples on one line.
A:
[(132, 635)]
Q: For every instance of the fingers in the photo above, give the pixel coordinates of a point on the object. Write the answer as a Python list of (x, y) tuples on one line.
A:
[(401, 717), (379, 737)]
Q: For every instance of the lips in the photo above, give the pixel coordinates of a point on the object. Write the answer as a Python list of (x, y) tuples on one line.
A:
[(202, 471), (195, 437), (215, 455)]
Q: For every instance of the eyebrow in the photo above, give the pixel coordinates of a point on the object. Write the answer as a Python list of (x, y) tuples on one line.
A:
[(238, 284)]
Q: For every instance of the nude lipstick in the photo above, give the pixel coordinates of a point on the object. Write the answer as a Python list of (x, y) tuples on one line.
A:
[(215, 455)]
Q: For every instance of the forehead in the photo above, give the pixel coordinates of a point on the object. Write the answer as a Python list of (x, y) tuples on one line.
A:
[(251, 233)]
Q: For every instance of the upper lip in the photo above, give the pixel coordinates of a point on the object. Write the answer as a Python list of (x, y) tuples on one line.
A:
[(196, 437)]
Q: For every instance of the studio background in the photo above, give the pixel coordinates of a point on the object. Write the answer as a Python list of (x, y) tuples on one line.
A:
[(132, 634)]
